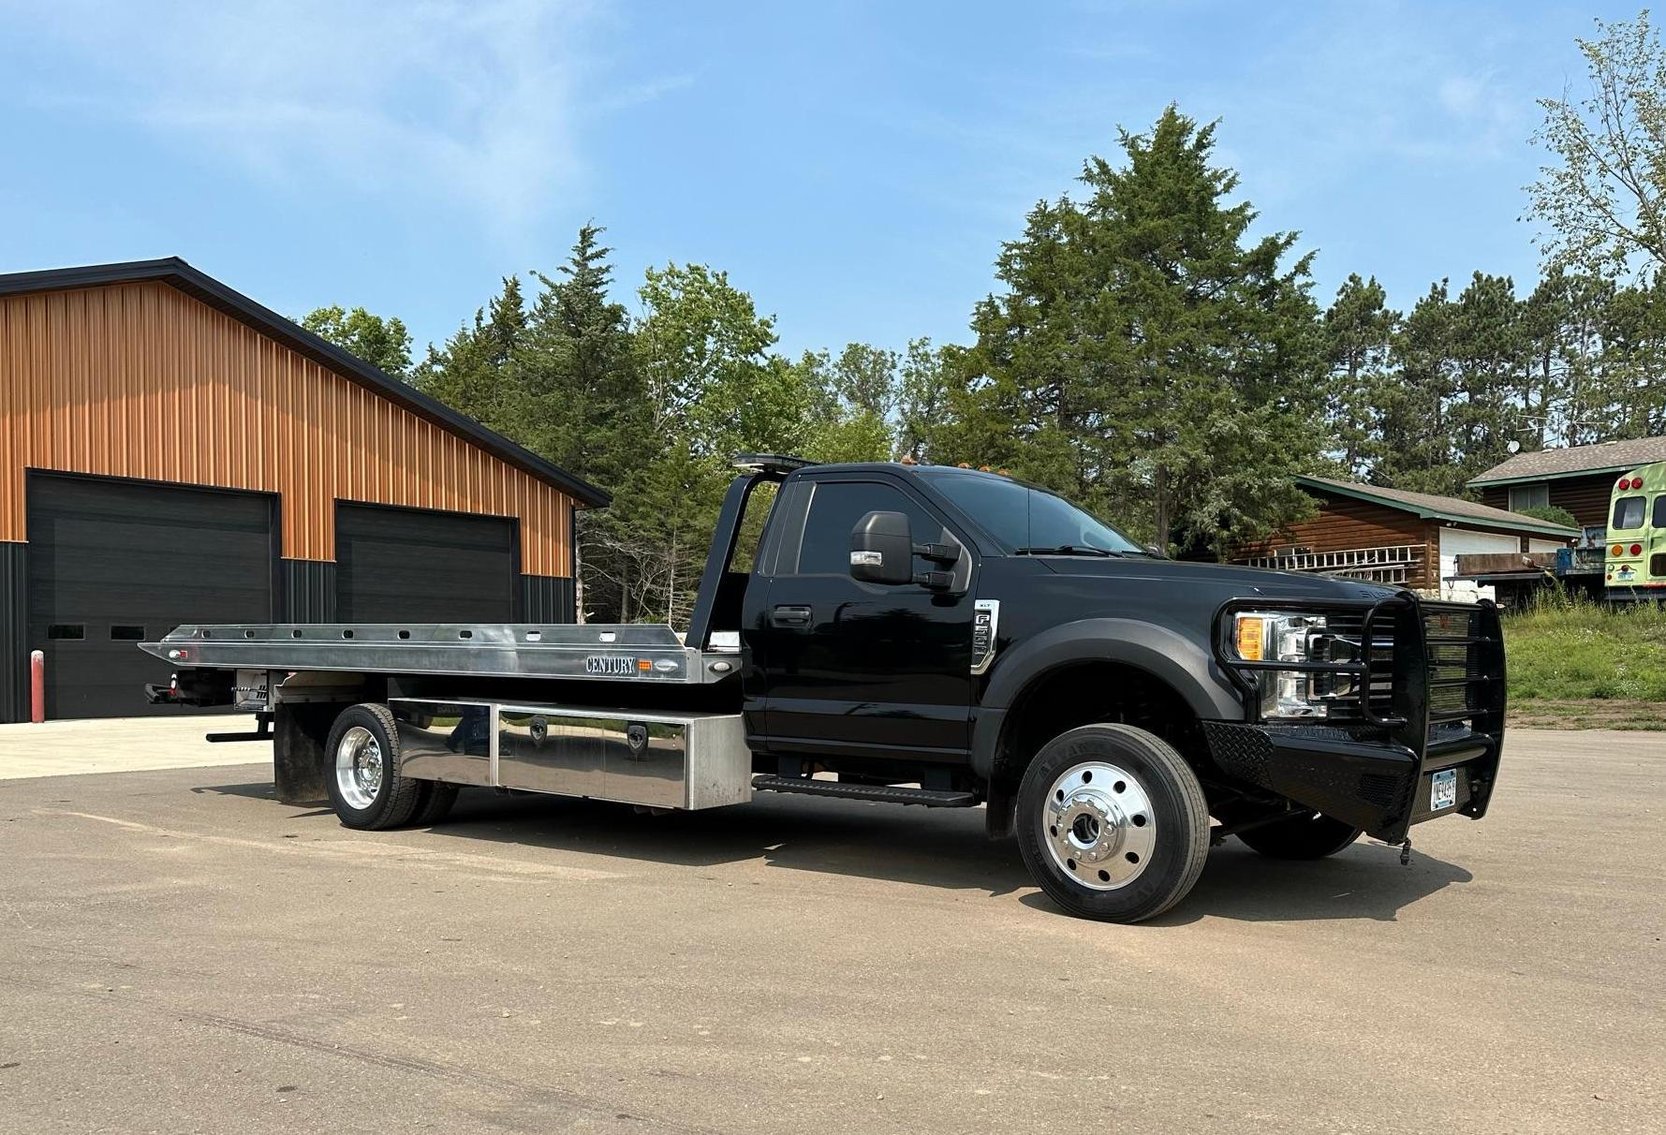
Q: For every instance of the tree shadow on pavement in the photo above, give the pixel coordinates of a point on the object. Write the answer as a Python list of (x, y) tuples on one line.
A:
[(1364, 882), (931, 847)]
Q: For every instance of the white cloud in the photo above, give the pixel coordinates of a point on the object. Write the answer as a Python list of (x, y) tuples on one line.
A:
[(475, 103), (1462, 95)]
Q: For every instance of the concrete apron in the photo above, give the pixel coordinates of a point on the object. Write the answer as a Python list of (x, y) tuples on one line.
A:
[(133, 744)]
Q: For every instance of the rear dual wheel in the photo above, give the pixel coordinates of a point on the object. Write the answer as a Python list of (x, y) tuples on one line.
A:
[(1112, 823), (363, 780)]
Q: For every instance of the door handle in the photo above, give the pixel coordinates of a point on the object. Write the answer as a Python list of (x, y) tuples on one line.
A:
[(787, 616)]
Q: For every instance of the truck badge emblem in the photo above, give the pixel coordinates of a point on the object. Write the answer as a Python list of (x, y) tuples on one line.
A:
[(986, 619)]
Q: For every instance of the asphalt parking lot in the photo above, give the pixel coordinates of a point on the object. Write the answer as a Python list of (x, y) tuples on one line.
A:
[(180, 953)]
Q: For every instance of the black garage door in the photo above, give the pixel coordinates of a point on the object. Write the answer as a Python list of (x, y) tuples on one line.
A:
[(399, 565), (115, 562)]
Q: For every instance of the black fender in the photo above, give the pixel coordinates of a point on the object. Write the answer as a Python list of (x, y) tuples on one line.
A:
[(1184, 664)]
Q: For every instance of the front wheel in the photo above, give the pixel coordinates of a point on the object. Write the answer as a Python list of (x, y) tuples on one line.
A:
[(1112, 823)]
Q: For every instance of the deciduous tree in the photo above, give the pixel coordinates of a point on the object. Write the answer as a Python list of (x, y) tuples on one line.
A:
[(383, 343), (1602, 195)]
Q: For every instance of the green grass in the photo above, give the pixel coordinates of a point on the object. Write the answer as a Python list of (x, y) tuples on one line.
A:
[(1561, 650)]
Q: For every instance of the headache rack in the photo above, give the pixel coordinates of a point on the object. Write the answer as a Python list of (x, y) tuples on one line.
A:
[(1423, 668)]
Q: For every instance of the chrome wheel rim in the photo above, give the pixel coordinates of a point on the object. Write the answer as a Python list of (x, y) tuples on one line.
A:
[(1098, 826), (359, 767)]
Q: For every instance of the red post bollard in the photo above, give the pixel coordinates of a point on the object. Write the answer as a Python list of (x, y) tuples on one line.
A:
[(37, 685)]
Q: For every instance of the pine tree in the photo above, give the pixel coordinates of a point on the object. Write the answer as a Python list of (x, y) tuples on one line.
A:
[(1491, 349), (474, 372), (1359, 333), (580, 401), (581, 379), (1414, 444), (1147, 357)]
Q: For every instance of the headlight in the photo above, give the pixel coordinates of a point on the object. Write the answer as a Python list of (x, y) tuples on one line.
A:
[(1272, 636)]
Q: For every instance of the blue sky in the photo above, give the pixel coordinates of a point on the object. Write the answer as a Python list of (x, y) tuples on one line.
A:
[(854, 166)]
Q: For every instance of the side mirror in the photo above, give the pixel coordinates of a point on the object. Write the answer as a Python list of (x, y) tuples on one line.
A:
[(882, 549)]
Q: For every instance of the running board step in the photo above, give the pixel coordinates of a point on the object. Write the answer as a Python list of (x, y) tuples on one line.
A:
[(881, 793)]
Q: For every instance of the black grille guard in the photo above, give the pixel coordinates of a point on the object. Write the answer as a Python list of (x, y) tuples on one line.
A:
[(1446, 669)]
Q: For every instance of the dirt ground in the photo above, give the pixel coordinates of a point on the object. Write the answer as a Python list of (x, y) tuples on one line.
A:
[(1648, 715)]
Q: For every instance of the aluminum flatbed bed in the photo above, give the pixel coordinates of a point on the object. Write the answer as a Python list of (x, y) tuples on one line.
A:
[(637, 653)]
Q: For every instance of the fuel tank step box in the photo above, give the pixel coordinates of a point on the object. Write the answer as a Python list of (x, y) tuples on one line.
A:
[(658, 759)]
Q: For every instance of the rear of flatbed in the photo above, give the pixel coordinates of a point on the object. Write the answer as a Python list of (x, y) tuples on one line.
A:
[(624, 713)]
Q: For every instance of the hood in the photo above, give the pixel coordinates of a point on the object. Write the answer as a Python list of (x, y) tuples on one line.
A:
[(1225, 580)]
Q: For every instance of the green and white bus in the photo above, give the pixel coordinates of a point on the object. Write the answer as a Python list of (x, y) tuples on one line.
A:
[(1636, 561)]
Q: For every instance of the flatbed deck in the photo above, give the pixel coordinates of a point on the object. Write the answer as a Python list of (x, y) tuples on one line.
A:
[(637, 653)]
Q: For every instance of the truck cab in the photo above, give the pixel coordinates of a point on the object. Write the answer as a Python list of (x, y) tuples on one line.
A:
[(947, 626)]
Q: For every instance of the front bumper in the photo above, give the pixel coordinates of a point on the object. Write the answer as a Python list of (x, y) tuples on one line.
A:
[(1429, 706), (1378, 785)]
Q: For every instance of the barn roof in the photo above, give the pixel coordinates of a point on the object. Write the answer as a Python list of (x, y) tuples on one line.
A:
[(178, 274)]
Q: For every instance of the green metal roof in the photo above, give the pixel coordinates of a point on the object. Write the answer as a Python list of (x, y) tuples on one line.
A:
[(1432, 507)]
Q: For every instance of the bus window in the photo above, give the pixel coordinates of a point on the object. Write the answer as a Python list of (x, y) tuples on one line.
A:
[(1628, 513), (1659, 520)]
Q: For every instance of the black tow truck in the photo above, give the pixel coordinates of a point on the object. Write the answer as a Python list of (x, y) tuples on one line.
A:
[(918, 635)]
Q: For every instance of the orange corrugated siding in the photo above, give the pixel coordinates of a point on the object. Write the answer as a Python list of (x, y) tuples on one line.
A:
[(141, 380)]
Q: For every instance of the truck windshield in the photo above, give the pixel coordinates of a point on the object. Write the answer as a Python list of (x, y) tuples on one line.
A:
[(1026, 519)]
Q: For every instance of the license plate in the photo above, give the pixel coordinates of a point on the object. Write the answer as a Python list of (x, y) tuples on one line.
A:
[(1443, 789)]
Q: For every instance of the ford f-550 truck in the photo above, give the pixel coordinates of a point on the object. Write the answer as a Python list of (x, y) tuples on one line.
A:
[(918, 635)]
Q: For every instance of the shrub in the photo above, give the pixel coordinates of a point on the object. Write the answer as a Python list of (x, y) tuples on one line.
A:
[(1551, 514)]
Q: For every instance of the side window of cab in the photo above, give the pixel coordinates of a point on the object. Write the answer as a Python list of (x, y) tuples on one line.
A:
[(835, 508)]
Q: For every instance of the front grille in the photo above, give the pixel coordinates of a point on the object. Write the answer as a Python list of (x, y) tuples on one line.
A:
[(1349, 627)]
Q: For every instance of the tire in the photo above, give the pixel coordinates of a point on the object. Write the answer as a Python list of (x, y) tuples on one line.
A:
[(1112, 823), (1301, 837), (361, 771), (434, 803)]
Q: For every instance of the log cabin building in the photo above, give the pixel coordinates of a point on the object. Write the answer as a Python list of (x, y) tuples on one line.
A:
[(173, 452), (1394, 536)]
